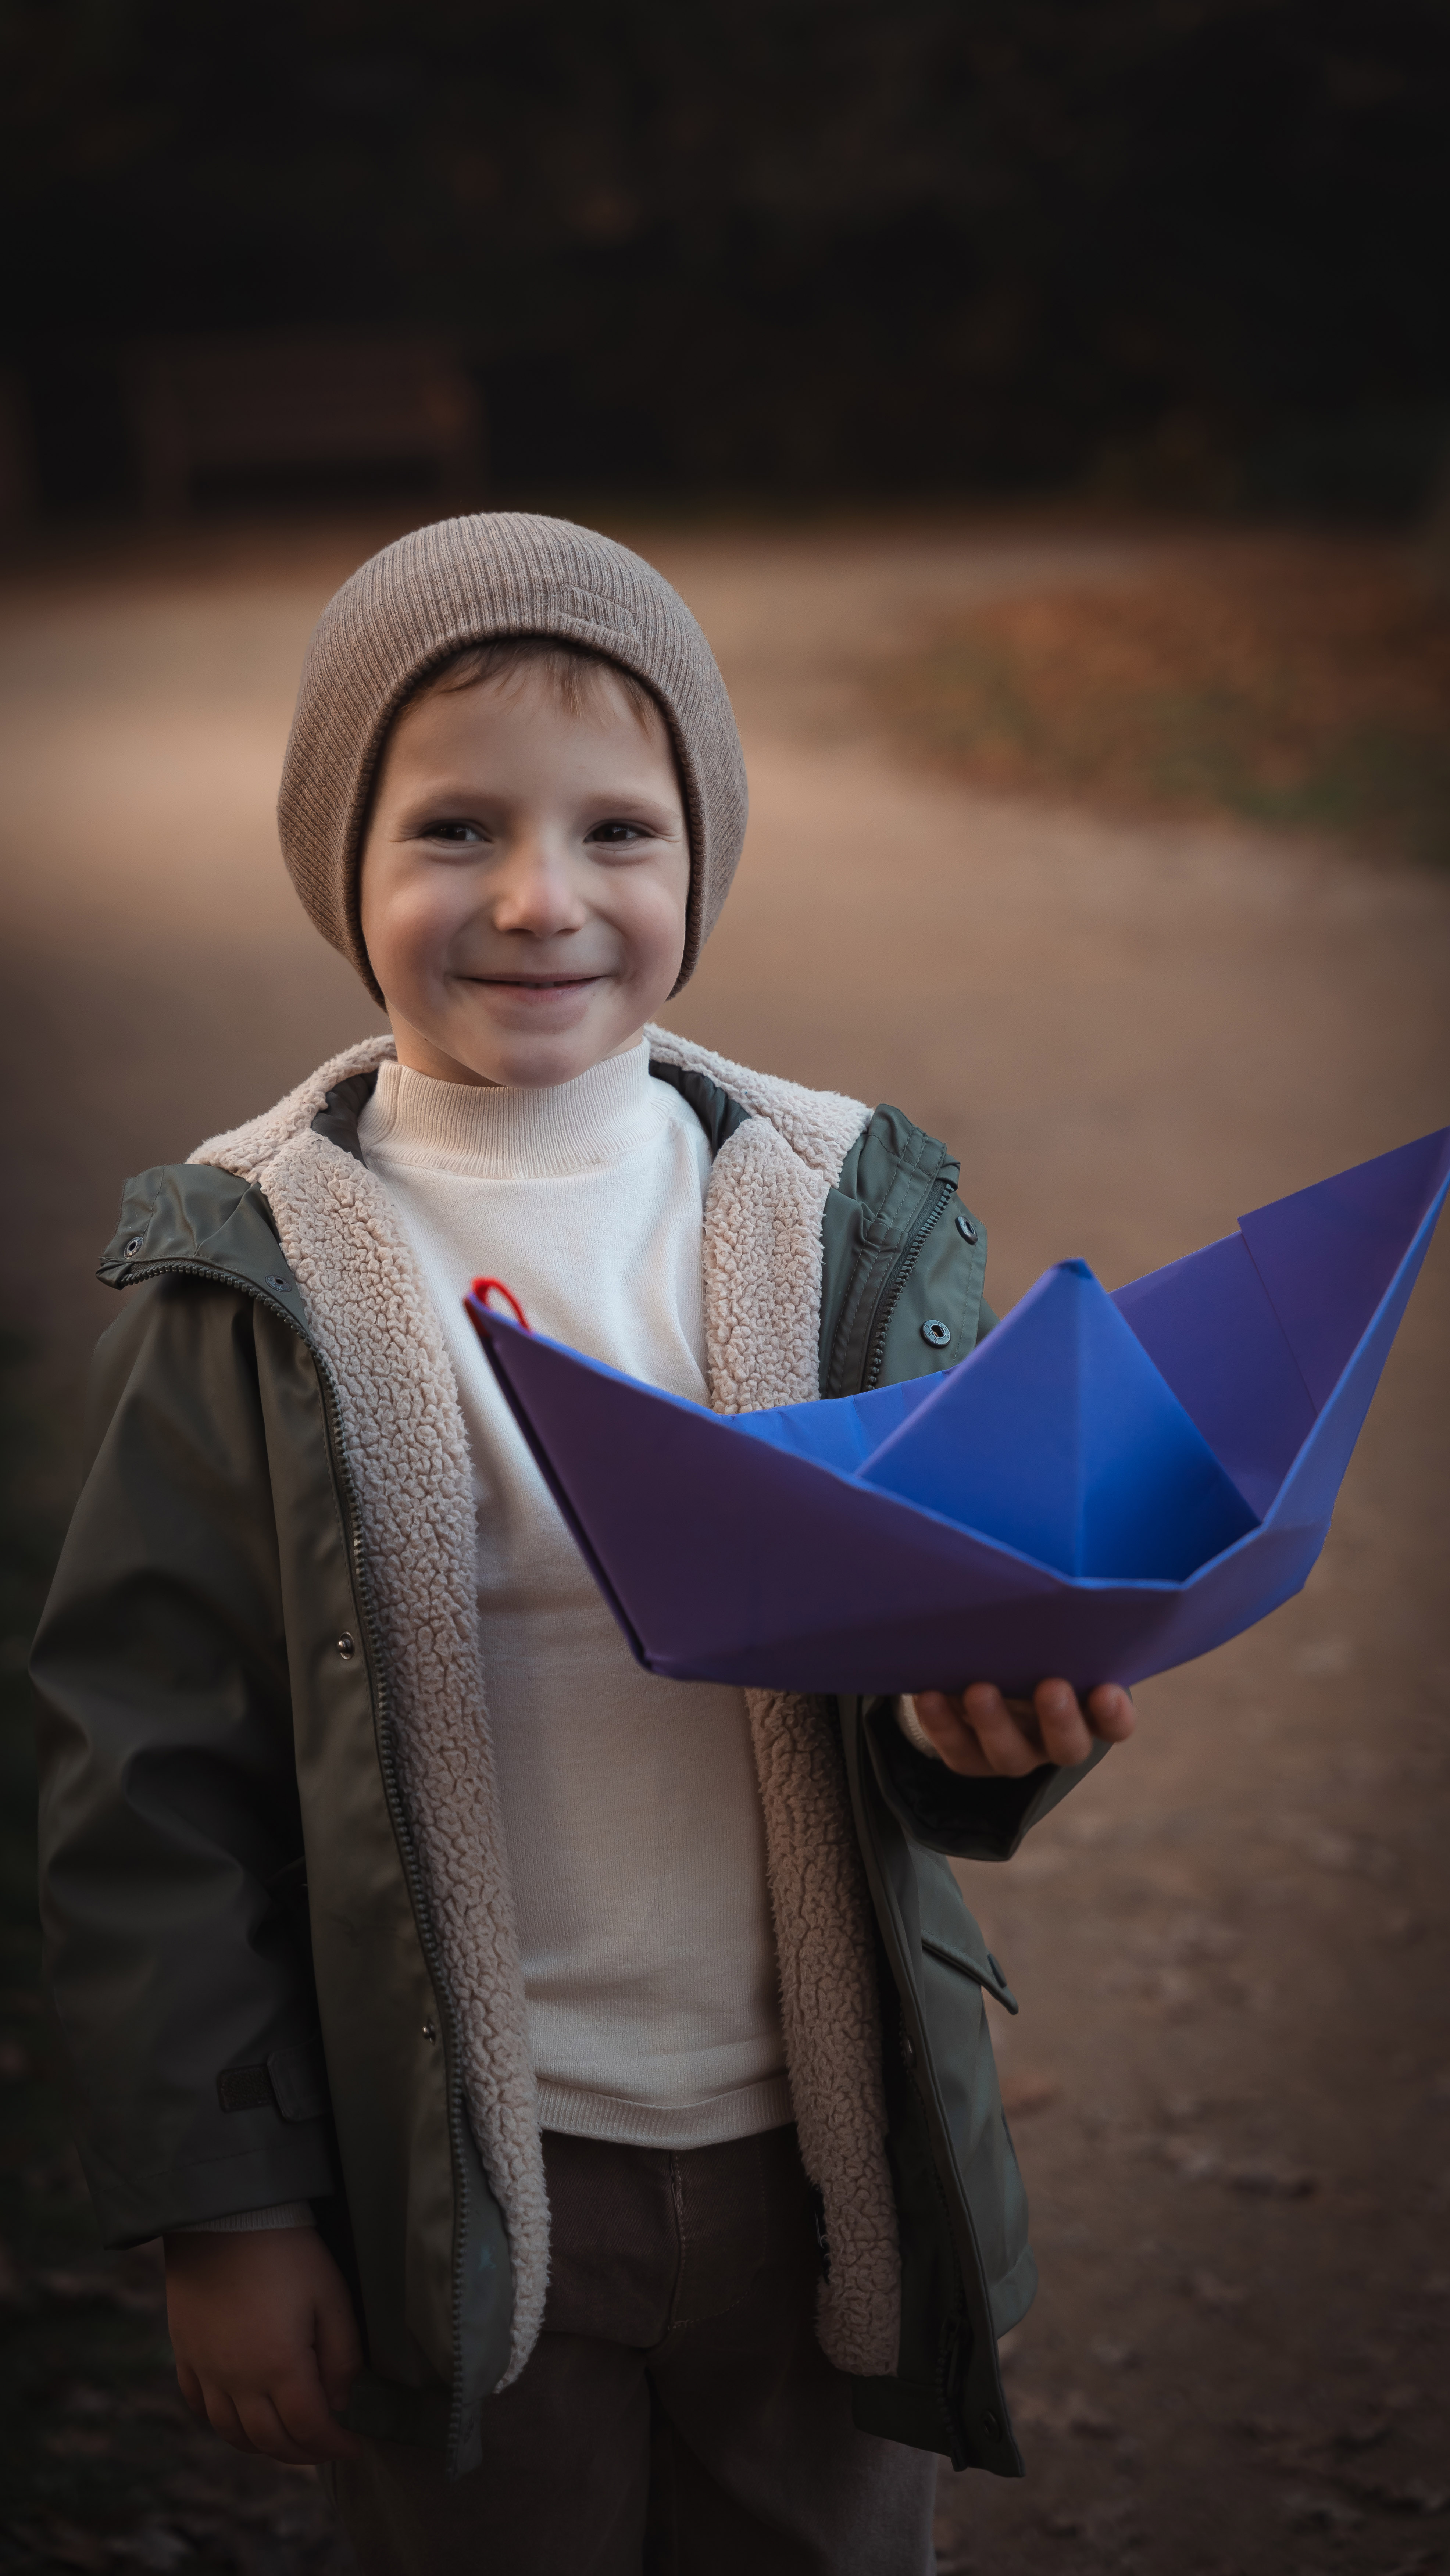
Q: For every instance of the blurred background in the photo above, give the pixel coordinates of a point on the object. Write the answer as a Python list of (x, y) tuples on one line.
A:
[(1192, 249), (1045, 408)]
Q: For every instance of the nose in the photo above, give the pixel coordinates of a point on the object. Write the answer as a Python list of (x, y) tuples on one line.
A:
[(535, 892)]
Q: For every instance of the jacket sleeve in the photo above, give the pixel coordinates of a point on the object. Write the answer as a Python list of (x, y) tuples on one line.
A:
[(171, 1841), (967, 1819)]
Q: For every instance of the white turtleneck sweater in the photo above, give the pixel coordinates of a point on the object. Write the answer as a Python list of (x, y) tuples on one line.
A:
[(630, 1806)]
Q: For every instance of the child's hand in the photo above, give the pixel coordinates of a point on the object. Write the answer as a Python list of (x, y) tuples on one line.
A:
[(978, 1732), (265, 2339)]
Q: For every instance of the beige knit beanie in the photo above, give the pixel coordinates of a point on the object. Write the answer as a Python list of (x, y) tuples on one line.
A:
[(461, 582)]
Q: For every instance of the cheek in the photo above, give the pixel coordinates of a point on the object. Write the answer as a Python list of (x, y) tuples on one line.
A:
[(409, 920), (652, 918)]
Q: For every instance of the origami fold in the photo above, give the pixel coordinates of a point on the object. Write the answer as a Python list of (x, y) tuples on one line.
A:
[(1105, 1487)]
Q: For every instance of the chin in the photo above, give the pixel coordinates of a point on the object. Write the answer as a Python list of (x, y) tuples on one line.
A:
[(535, 1058), (538, 1068)]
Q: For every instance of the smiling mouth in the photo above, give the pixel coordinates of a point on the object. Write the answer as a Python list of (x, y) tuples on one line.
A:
[(535, 983)]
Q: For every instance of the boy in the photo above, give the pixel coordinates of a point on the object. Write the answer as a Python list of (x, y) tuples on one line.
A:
[(564, 2094)]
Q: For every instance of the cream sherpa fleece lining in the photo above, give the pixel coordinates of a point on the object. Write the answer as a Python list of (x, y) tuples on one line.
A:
[(373, 1318)]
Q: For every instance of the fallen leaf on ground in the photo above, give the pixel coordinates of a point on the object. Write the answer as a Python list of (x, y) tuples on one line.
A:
[(1024, 2094), (80, 2398), (1326, 1656), (1191, 2158), (1114, 2522), (1272, 2181), (1362, 2436), (1079, 2415), (1073, 2413), (1306, 2509), (155, 2546), (1275, 2428), (79, 2442), (1211, 2292), (69, 2546), (1399, 2495)]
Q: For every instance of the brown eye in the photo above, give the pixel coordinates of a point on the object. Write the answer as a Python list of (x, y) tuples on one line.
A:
[(451, 829)]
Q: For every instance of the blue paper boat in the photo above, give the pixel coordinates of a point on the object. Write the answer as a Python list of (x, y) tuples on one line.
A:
[(1106, 1487)]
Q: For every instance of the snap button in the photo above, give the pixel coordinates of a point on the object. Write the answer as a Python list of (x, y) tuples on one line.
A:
[(274, 1282), (133, 1247), (346, 1647), (965, 1227), (936, 1332), (430, 2030)]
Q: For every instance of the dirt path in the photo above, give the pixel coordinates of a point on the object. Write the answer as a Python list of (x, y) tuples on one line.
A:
[(1231, 2070)]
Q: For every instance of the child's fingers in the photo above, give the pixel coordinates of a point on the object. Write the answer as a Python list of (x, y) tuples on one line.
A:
[(940, 1715), (192, 2393), (267, 2433), (306, 2418), (1111, 1713), (266, 2343), (290, 2423), (222, 2416), (1009, 1751), (1066, 1735), (954, 1741), (978, 1731)]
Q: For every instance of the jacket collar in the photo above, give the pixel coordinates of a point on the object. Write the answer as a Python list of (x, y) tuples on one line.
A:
[(819, 1127), (338, 1120)]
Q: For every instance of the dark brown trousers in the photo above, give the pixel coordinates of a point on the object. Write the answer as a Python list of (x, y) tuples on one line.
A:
[(678, 2417)]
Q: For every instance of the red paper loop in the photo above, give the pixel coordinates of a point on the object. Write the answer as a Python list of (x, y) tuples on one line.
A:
[(480, 1290)]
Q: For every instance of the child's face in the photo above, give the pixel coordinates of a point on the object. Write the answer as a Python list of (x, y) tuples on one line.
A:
[(524, 879)]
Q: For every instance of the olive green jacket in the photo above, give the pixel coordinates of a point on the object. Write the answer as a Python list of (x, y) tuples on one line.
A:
[(255, 1952)]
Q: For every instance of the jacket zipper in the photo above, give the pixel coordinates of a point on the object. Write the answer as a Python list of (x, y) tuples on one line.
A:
[(387, 1763), (896, 1279)]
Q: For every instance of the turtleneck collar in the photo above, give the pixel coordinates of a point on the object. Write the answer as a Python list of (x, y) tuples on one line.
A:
[(493, 1133)]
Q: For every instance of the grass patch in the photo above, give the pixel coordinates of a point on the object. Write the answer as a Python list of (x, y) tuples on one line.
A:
[(1294, 683)]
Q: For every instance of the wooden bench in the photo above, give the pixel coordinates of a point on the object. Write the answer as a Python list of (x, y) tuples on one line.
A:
[(276, 403)]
